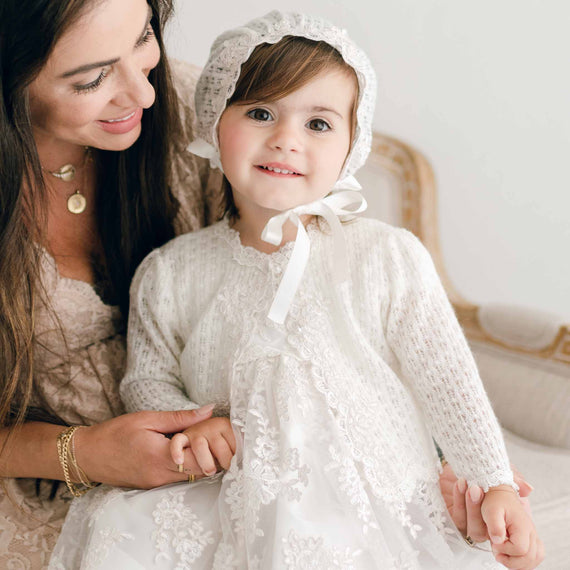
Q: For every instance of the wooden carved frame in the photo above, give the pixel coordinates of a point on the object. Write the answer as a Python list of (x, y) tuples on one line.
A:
[(419, 215)]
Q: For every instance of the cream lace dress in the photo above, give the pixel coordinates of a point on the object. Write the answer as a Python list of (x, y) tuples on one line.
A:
[(77, 378), (333, 412)]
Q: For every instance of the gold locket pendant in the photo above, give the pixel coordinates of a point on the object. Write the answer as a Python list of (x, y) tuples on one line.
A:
[(76, 203)]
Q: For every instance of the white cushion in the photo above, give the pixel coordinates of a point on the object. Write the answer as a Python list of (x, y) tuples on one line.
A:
[(548, 470), (521, 327), (530, 395)]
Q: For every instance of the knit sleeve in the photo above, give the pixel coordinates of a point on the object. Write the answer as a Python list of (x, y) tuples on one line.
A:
[(152, 380), (437, 363)]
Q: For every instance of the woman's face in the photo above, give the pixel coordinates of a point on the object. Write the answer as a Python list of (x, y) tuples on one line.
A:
[(94, 87)]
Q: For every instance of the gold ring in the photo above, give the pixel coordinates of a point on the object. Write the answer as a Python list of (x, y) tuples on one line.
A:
[(469, 541), (191, 478)]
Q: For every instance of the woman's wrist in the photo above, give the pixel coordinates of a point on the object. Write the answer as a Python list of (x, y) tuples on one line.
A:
[(30, 451), (75, 477)]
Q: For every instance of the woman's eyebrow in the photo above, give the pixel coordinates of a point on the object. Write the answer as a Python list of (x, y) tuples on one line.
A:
[(95, 65), (89, 67)]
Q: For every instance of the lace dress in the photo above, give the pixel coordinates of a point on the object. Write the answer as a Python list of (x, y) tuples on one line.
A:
[(80, 357), (333, 412)]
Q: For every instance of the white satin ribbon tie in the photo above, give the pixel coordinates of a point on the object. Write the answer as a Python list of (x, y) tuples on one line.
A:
[(339, 203)]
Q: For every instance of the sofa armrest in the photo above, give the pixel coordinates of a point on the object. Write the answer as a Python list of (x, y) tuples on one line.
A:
[(524, 360)]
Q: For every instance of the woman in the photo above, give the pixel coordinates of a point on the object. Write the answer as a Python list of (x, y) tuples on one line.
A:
[(74, 224)]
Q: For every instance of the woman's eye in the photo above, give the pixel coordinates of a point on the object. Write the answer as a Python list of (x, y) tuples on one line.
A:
[(318, 125), (146, 37), (260, 115), (93, 85)]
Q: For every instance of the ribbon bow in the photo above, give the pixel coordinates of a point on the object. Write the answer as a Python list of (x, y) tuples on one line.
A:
[(338, 203)]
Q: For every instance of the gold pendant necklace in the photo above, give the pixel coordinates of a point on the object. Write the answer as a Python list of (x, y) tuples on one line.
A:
[(76, 203)]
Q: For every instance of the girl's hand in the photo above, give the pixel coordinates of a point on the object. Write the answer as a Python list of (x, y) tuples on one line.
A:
[(514, 539), (211, 442), (465, 507), (132, 450)]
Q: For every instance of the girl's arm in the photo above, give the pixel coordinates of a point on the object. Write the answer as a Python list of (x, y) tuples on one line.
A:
[(152, 380), (435, 359)]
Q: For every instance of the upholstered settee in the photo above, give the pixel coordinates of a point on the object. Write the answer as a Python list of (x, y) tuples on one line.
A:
[(523, 355)]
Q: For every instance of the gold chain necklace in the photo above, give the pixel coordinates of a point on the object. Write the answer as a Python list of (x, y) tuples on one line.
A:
[(76, 203)]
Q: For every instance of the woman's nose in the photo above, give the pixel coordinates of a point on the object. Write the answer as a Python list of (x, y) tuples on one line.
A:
[(136, 90)]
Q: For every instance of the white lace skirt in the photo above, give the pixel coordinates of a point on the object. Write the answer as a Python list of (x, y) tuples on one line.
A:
[(298, 496)]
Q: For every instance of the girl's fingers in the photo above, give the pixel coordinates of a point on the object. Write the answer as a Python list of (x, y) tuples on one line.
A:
[(203, 455), (177, 444), (222, 452), (190, 466), (528, 561), (230, 437), (476, 526), (520, 540)]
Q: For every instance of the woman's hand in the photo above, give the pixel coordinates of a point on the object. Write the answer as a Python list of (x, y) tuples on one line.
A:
[(132, 450), (465, 507)]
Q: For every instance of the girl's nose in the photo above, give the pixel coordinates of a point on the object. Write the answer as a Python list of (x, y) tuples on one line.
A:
[(285, 137)]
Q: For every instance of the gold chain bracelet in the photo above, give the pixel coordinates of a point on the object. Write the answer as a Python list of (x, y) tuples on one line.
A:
[(67, 460)]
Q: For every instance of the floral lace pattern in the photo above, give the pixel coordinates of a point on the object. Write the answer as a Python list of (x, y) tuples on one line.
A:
[(313, 554), (178, 528)]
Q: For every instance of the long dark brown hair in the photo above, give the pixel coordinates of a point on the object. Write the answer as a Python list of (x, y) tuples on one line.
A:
[(135, 208)]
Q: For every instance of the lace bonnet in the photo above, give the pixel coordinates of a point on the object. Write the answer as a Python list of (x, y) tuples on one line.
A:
[(232, 48)]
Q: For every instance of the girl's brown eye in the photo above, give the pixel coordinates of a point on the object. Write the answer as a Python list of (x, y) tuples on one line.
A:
[(318, 125), (260, 115)]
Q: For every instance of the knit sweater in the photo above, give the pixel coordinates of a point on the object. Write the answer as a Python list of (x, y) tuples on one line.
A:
[(199, 300)]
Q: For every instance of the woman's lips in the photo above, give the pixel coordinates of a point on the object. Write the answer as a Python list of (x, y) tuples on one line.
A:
[(122, 125)]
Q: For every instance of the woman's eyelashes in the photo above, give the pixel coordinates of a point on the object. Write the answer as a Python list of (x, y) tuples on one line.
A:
[(94, 85), (146, 37), (316, 125)]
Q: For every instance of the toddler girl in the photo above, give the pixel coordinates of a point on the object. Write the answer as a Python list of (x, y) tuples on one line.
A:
[(330, 351)]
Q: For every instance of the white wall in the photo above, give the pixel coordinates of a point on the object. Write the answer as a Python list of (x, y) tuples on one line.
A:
[(482, 88)]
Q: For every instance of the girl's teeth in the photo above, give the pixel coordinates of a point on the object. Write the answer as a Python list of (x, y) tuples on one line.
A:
[(279, 170)]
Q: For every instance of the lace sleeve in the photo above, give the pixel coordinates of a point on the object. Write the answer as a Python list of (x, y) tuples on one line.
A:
[(152, 380), (436, 361)]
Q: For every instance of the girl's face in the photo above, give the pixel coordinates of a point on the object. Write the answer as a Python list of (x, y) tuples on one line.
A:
[(281, 154), (94, 86)]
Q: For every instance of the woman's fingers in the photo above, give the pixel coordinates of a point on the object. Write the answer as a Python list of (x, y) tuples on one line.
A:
[(179, 420), (458, 511), (525, 488), (476, 527)]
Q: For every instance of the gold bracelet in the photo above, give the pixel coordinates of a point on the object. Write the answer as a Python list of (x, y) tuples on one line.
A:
[(66, 455)]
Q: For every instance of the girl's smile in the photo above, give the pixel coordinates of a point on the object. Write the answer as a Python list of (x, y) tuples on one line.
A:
[(280, 154), (278, 169)]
